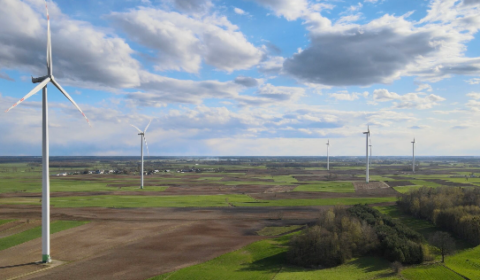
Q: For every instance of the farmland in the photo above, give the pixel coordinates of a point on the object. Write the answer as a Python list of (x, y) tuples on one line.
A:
[(230, 218)]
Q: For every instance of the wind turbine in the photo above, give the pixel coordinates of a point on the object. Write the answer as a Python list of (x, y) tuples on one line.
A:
[(370, 145), (142, 139), (413, 155), (367, 134), (43, 81), (328, 159)]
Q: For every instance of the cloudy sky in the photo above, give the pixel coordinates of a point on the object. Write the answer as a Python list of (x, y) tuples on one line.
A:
[(244, 77)]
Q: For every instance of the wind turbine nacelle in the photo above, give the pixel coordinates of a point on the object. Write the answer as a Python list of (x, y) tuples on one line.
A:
[(39, 79)]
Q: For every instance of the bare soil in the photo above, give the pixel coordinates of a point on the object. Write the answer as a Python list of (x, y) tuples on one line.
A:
[(139, 243), (374, 189), (399, 183)]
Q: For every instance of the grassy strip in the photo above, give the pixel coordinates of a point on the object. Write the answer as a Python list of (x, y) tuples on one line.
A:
[(5, 221), (36, 232), (274, 231), (432, 272), (341, 187), (405, 189), (125, 201), (466, 263), (317, 201), (362, 268)]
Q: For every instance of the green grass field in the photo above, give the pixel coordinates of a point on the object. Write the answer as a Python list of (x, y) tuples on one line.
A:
[(405, 189), (5, 221), (378, 178), (127, 201), (430, 272), (362, 268), (317, 202), (17, 184), (36, 232), (341, 187), (466, 263), (274, 231)]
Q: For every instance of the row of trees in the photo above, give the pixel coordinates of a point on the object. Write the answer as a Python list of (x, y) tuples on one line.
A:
[(454, 209), (342, 234)]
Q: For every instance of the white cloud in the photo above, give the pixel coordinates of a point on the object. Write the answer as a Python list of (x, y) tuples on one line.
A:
[(345, 96), (269, 94), (407, 101), (290, 9), (100, 60), (355, 8), (273, 65), (473, 105), (239, 11), (182, 42), (431, 49), (193, 7), (474, 95), (473, 81), (424, 87)]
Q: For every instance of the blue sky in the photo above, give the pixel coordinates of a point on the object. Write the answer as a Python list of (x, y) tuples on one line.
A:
[(253, 77)]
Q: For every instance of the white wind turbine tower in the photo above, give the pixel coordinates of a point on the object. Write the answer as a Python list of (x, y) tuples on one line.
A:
[(370, 145), (413, 155), (367, 177), (142, 139), (43, 81), (328, 159)]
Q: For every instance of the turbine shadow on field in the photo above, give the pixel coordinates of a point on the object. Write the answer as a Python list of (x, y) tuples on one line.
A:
[(271, 264), (18, 265)]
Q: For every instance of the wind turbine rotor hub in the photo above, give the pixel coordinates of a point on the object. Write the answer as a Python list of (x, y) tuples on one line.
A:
[(40, 79)]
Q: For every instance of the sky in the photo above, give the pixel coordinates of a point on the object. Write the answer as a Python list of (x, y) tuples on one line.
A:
[(244, 77)]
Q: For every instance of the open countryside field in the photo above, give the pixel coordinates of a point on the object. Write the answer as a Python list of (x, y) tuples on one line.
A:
[(205, 218)]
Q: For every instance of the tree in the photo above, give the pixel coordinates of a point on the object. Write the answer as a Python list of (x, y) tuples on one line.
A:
[(444, 242)]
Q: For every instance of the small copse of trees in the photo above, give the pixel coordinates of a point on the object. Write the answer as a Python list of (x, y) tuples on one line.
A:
[(397, 241), (453, 209), (337, 238), (342, 234)]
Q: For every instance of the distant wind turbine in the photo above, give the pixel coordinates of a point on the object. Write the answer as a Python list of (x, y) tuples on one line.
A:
[(43, 81), (367, 134), (328, 159), (142, 139), (413, 155)]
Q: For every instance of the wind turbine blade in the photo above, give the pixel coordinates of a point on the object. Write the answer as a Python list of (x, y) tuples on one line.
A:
[(146, 145), (70, 98), (147, 126), (137, 128), (49, 43), (32, 92)]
